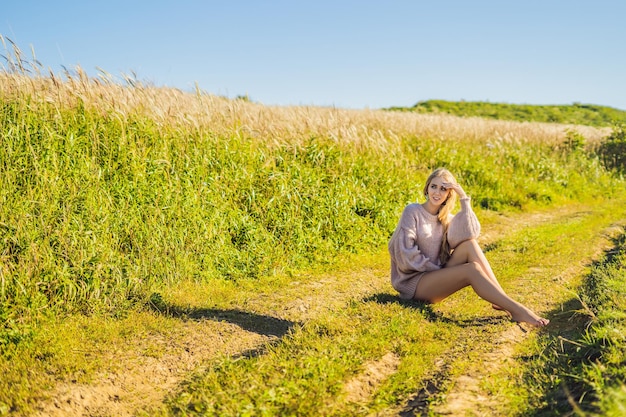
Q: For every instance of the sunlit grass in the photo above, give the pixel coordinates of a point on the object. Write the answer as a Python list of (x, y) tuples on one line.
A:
[(119, 201), (582, 370), (332, 348), (108, 190)]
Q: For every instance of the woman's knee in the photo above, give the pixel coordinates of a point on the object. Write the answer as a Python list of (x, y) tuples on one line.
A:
[(476, 269), (469, 244), (465, 249)]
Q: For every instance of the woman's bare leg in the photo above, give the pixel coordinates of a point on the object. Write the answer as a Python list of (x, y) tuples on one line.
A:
[(462, 271), (474, 253)]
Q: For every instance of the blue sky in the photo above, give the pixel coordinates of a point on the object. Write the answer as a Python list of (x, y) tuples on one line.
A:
[(342, 53)]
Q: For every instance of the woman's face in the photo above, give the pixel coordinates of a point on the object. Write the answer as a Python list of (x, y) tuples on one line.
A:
[(437, 193)]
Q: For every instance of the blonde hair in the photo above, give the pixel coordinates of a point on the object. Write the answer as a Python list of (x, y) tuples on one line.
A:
[(444, 212)]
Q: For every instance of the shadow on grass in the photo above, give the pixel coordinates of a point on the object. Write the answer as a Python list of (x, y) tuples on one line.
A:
[(419, 404), (426, 310), (271, 327), (251, 322), (422, 307)]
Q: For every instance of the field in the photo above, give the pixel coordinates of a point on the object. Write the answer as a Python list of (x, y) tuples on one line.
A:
[(177, 253)]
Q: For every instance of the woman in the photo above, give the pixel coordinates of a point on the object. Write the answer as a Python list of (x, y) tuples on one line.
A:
[(434, 253)]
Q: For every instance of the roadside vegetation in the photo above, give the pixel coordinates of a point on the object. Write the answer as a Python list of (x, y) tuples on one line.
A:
[(584, 370), (576, 113), (132, 216)]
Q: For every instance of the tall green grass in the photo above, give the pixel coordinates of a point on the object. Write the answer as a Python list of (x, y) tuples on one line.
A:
[(108, 192)]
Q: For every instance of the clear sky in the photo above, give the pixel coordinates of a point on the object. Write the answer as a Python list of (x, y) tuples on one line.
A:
[(342, 53)]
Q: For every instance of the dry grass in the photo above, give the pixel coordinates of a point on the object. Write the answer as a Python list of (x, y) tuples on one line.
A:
[(271, 124)]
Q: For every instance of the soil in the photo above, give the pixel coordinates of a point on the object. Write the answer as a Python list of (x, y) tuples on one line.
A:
[(361, 387), (152, 368), (467, 396)]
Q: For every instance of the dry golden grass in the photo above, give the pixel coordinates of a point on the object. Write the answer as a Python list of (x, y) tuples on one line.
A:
[(271, 124)]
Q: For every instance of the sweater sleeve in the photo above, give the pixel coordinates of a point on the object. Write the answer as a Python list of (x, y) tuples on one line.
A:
[(464, 225), (403, 247)]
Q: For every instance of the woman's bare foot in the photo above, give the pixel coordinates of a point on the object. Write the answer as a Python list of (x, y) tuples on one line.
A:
[(527, 316)]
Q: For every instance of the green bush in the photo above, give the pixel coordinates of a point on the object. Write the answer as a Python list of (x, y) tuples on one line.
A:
[(612, 151)]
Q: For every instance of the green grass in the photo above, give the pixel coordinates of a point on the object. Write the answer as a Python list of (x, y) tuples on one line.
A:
[(308, 368), (116, 223), (582, 371), (304, 374), (305, 371), (96, 209)]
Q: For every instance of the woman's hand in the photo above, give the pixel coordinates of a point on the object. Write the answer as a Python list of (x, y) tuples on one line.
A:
[(456, 187)]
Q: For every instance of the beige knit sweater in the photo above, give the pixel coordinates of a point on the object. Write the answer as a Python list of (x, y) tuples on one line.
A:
[(414, 246)]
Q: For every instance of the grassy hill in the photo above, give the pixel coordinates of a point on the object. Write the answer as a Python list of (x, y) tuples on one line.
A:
[(579, 114)]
